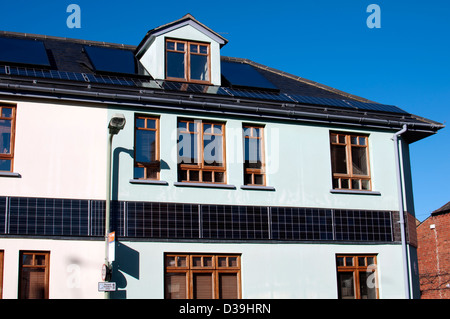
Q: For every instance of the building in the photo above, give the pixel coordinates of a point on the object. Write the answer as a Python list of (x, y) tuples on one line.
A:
[(230, 179), (433, 252)]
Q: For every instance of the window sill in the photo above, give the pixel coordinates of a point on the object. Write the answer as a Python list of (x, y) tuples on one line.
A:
[(204, 185), (148, 182), (351, 191), (258, 188), (10, 174)]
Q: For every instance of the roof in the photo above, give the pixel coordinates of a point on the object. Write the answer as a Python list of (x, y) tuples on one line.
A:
[(186, 19), (443, 210), (72, 73)]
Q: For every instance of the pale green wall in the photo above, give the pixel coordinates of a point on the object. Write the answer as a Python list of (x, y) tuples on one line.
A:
[(267, 270), (298, 165)]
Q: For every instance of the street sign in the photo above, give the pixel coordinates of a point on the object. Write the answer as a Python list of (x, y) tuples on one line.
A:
[(106, 286)]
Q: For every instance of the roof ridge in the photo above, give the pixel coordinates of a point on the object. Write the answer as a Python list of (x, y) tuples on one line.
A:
[(73, 40), (298, 78)]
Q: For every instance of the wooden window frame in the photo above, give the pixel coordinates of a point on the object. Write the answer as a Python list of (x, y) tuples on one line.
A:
[(153, 165), (187, 60), (214, 269), (356, 268), (200, 167), (46, 267), (255, 171), (10, 155), (350, 177)]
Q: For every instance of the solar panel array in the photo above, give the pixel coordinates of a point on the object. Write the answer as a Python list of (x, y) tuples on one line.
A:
[(118, 67), (111, 60), (23, 51), (75, 217)]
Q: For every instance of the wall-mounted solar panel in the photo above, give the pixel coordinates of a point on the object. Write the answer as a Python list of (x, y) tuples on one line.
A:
[(111, 60), (244, 75), (23, 51)]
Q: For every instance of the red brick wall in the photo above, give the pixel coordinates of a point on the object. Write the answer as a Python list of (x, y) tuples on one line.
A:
[(434, 257)]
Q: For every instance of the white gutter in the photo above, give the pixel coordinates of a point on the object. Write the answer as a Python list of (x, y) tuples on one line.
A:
[(401, 211)]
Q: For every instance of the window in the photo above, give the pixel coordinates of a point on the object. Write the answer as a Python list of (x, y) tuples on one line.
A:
[(34, 275), (350, 161), (357, 276), (146, 148), (201, 276), (254, 155), (201, 151), (7, 128), (188, 61)]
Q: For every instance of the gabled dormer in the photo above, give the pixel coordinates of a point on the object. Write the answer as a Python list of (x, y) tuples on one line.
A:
[(184, 50)]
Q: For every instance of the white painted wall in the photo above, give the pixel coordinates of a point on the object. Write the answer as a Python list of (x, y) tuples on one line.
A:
[(59, 151), (75, 266)]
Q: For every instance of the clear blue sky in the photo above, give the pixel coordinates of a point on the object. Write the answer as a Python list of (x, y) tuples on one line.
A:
[(406, 62)]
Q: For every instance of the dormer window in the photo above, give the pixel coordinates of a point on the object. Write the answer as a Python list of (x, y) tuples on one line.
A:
[(187, 61)]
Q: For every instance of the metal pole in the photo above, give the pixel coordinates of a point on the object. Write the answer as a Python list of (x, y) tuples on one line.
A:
[(108, 203)]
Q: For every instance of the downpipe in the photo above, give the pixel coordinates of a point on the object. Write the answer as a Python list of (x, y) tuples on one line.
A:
[(402, 211)]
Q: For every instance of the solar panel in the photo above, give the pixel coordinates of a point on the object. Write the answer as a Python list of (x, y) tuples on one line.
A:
[(23, 51), (244, 75), (350, 104), (111, 60), (262, 95)]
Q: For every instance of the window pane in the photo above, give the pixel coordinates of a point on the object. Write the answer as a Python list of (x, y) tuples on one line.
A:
[(222, 261), (170, 45), (151, 123), (207, 176), (194, 176), (194, 48), (253, 156), (176, 286), (228, 286), (344, 184), (32, 283), (187, 148), (367, 285), (140, 122), (259, 179), (207, 261), (338, 159), (39, 260), (175, 65), (346, 285), (27, 259), (199, 67), (348, 261), (145, 146), (5, 136), (219, 177), (359, 160), (355, 184), (203, 287), (212, 153), (6, 112), (181, 261), (180, 46), (204, 49), (340, 261), (361, 261), (365, 184), (196, 261), (232, 261), (5, 165), (170, 261), (362, 141)]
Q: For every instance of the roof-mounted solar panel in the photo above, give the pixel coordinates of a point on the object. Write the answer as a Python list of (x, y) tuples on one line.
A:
[(245, 75), (23, 51), (111, 60)]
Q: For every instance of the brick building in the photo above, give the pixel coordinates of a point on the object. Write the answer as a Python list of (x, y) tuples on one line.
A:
[(434, 254)]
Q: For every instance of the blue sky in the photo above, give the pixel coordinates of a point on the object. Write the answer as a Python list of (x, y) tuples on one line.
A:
[(406, 62)]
